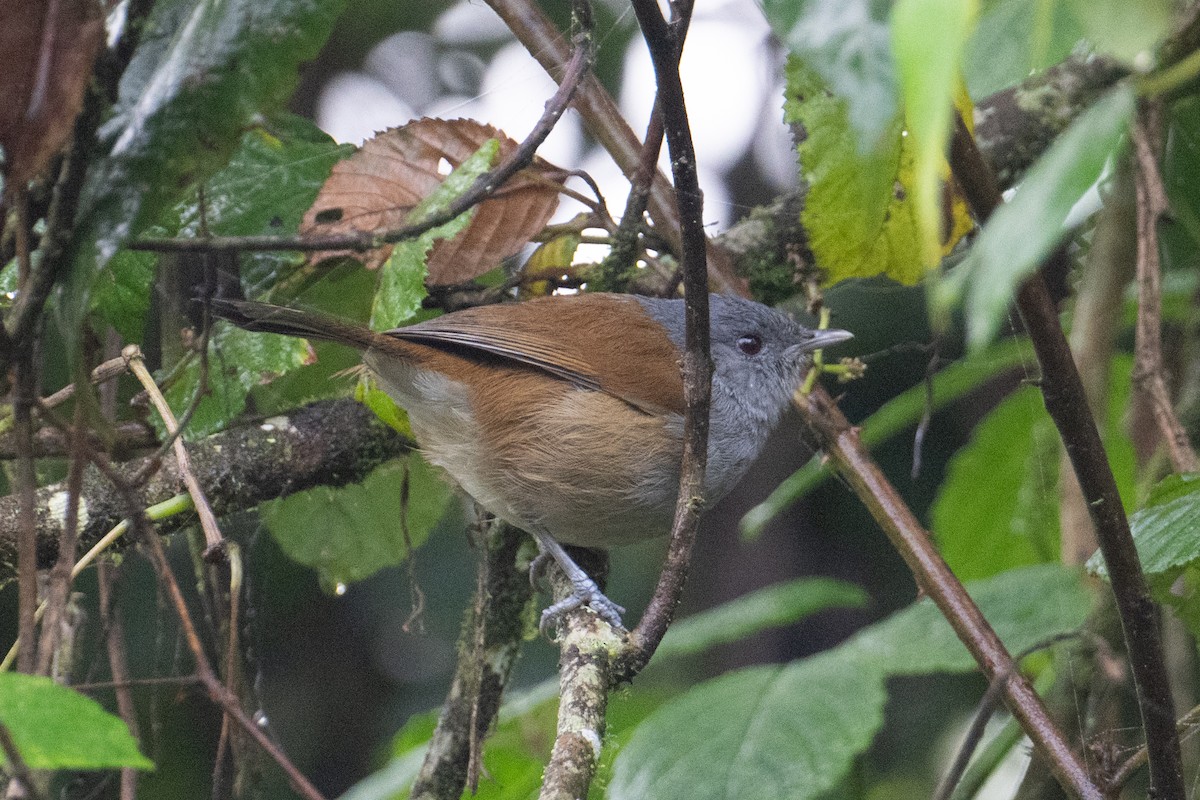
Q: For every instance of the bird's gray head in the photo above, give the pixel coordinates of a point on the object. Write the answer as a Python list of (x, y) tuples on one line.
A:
[(760, 357)]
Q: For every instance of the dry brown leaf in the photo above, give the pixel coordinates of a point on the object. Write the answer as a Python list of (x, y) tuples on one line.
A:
[(47, 48), (375, 189)]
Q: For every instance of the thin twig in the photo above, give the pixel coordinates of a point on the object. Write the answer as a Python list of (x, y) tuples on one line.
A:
[(58, 588), (1149, 373), (983, 713), (841, 443), (17, 766), (214, 541), (603, 120), (106, 371), (118, 665), (1185, 726), (1066, 402), (231, 650), (227, 701), (483, 188), (697, 361)]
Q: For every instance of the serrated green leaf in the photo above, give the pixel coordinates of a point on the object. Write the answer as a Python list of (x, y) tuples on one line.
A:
[(1015, 38), (793, 731), (1167, 529), (1024, 230), (351, 532), (402, 276), (238, 361), (846, 44), (202, 73), (270, 180), (928, 37), (770, 607), (55, 727), (859, 211)]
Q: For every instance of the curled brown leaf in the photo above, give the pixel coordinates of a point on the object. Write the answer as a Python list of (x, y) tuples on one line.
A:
[(376, 189)]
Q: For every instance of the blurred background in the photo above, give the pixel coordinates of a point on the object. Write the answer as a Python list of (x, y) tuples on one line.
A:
[(388, 63), (337, 676)]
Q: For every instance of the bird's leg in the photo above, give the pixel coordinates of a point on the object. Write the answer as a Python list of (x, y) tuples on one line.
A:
[(584, 591)]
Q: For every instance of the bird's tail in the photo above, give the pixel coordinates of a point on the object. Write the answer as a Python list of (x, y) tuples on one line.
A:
[(293, 322)]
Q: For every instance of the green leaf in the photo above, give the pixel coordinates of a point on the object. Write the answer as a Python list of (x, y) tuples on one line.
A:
[(764, 732), (1167, 530), (771, 607), (402, 277), (1023, 231), (351, 532), (269, 182), (846, 44), (793, 731), (859, 211), (1015, 38), (203, 72), (55, 727), (998, 507), (1128, 31), (928, 37), (238, 361)]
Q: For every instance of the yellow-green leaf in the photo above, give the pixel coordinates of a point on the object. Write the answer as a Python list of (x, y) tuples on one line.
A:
[(928, 39)]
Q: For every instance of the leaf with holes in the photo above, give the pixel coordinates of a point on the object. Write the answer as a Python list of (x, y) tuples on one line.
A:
[(379, 188)]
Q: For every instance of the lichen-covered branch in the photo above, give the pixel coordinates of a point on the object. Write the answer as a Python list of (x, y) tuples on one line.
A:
[(492, 633), (326, 443)]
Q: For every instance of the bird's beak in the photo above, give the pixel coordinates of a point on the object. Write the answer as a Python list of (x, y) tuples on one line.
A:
[(824, 338)]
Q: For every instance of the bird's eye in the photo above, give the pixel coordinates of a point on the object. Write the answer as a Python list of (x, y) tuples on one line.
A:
[(750, 344)]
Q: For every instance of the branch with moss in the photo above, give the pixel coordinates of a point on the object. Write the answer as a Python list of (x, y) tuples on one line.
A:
[(328, 443)]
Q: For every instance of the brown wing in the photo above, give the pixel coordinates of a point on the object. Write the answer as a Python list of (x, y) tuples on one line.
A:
[(599, 342)]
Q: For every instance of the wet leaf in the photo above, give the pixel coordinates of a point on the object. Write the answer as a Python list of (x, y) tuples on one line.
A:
[(204, 72)]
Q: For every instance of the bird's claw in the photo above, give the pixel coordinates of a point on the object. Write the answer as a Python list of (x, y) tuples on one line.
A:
[(584, 594)]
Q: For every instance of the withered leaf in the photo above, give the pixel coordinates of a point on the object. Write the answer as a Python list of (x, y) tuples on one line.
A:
[(375, 190), (47, 48)]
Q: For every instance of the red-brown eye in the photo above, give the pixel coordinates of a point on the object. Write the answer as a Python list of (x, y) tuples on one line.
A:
[(750, 344)]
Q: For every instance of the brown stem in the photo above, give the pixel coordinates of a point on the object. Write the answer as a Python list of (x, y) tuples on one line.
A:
[(1149, 373), (697, 361), (1066, 402), (841, 443), (17, 766), (118, 664), (604, 121)]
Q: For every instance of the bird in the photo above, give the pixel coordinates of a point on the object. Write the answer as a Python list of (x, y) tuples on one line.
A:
[(563, 415)]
